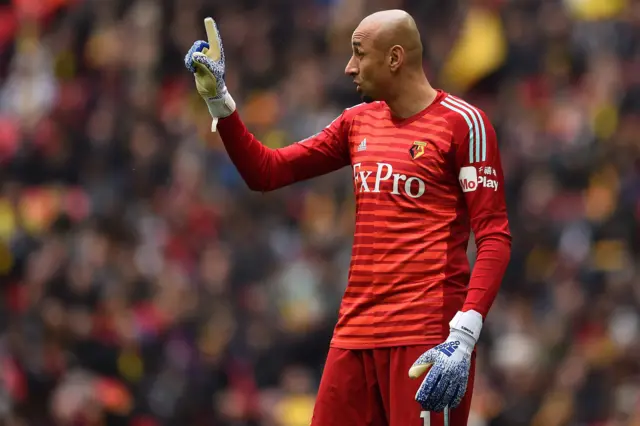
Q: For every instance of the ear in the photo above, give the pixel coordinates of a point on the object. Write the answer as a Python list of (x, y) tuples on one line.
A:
[(396, 57)]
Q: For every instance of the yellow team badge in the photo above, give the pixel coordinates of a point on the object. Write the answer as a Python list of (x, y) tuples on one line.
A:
[(417, 149)]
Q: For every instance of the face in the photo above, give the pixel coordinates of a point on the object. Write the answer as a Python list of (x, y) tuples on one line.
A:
[(367, 67)]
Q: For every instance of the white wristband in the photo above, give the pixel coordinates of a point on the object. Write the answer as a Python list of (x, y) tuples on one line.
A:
[(220, 108), (469, 322)]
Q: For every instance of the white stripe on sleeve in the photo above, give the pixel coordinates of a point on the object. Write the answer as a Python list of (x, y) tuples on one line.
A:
[(482, 134), (464, 115)]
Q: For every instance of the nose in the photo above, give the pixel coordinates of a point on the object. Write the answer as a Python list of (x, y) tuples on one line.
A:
[(351, 69)]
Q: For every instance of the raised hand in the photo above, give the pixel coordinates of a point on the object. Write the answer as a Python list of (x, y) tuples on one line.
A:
[(205, 60)]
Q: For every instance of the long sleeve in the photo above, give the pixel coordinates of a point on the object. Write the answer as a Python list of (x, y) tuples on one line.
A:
[(482, 182), (265, 169)]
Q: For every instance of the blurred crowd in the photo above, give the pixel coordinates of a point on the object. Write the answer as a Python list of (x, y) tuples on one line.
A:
[(143, 284)]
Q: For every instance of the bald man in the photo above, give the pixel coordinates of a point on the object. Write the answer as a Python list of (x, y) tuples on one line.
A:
[(426, 172)]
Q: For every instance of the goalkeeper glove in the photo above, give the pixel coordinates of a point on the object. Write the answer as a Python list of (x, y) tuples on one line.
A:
[(206, 61), (446, 382)]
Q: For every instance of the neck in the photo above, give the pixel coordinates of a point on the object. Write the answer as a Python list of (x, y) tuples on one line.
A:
[(413, 96)]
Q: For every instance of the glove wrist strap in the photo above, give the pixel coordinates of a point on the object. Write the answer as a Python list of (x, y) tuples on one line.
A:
[(468, 323), (220, 108)]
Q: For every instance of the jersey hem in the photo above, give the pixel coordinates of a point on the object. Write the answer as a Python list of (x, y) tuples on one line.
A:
[(341, 344)]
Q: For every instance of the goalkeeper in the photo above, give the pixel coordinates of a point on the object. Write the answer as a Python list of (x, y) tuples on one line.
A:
[(426, 172)]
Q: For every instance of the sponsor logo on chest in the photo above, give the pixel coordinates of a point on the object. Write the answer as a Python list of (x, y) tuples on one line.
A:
[(401, 184)]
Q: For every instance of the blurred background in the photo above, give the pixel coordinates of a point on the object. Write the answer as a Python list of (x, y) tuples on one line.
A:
[(143, 284)]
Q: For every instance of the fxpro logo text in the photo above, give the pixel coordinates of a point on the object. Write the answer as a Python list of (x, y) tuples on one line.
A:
[(402, 184), (470, 181)]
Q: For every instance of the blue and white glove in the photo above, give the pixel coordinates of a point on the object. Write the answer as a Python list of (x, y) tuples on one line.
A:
[(448, 363), (206, 61)]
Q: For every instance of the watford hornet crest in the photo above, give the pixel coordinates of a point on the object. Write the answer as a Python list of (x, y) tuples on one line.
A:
[(417, 149)]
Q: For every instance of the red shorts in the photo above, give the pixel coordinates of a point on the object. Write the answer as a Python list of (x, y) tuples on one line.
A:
[(372, 387)]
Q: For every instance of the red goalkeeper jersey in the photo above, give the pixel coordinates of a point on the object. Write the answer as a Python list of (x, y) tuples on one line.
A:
[(421, 186)]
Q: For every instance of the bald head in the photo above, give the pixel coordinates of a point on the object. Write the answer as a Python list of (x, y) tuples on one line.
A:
[(389, 28), (387, 59)]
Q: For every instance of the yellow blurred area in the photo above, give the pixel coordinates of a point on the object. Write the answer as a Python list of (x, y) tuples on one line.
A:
[(295, 410), (540, 263), (296, 316), (605, 121), (131, 365), (599, 351), (65, 65), (261, 109), (593, 10), (7, 219), (609, 256), (556, 410), (319, 213), (103, 48), (6, 258), (39, 206), (480, 50), (602, 194)]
